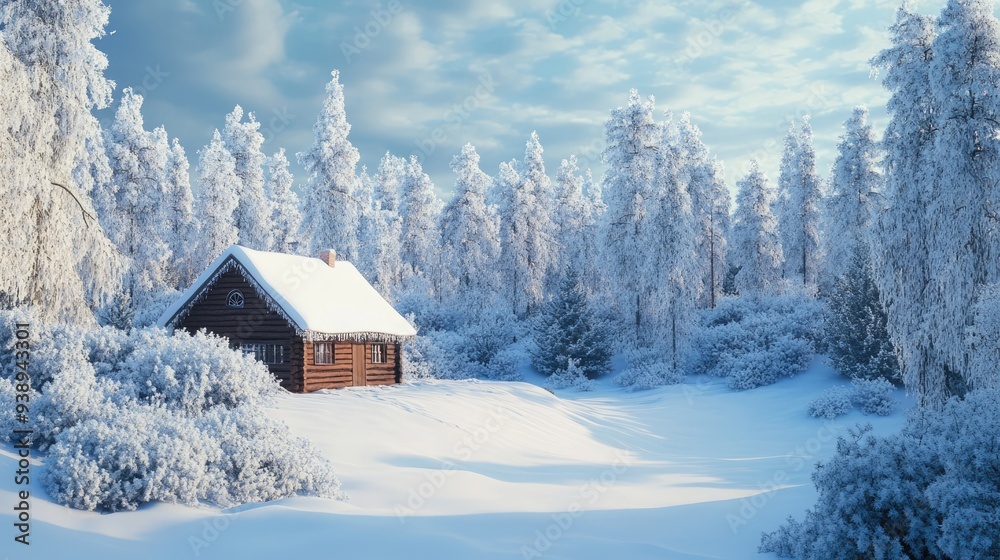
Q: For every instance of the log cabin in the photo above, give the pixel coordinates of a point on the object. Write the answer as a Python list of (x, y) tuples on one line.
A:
[(316, 322)]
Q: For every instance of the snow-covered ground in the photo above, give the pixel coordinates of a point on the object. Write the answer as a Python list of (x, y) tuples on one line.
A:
[(467, 469)]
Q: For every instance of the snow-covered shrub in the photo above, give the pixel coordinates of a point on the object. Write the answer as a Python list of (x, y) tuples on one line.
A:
[(571, 377), (503, 366), (834, 402), (647, 369), (983, 339), (152, 307), (569, 330), (873, 396), (481, 350), (755, 341), (928, 492), (261, 460), (129, 418), (133, 456), (143, 453)]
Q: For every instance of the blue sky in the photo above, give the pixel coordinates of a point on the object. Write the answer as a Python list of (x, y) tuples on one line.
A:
[(434, 75)]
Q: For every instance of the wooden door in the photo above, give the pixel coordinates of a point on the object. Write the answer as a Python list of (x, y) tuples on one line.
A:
[(359, 365)]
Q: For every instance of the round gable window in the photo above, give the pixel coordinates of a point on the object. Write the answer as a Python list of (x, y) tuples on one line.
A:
[(235, 299)]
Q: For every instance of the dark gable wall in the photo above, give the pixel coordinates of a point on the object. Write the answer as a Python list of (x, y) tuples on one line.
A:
[(255, 322)]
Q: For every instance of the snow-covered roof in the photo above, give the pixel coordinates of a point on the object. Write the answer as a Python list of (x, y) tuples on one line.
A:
[(320, 301)]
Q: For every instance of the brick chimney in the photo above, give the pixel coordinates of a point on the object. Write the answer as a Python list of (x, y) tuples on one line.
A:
[(329, 256)]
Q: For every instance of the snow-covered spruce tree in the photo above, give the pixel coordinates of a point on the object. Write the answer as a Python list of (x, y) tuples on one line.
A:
[(470, 241), (983, 340), (420, 210), (856, 332), (900, 237), (592, 275), (788, 178), (672, 266), (181, 224), (387, 255), (855, 195), (632, 140), (569, 332), (572, 221), (368, 229), (253, 214), (134, 211), (286, 218), (528, 250), (801, 203), (331, 210), (755, 243), (217, 201), (710, 202), (53, 78)]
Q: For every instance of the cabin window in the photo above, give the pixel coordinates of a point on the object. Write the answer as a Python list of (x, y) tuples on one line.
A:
[(235, 299), (378, 353), (323, 353), (263, 352)]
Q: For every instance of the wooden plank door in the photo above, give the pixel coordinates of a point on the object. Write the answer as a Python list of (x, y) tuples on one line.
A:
[(359, 365)]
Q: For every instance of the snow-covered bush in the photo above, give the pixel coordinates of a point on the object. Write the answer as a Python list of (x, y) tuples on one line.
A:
[(755, 341), (128, 418), (928, 492), (153, 307), (571, 377), (647, 369), (480, 350), (873, 396), (834, 402)]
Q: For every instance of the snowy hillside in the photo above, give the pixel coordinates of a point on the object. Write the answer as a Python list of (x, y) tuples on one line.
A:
[(467, 469)]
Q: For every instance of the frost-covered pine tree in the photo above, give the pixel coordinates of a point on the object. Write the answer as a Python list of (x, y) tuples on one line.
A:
[(855, 196), (755, 242), (528, 250), (592, 274), (801, 199), (632, 140), (368, 228), (900, 240), (672, 268), (420, 210), (218, 200), (182, 228), (253, 214), (856, 332), (135, 211), (286, 218), (569, 331), (331, 209), (470, 242), (574, 225), (710, 202), (387, 254), (56, 257)]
